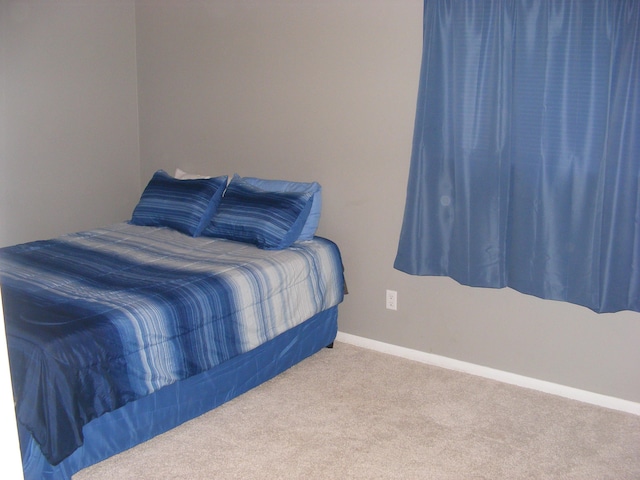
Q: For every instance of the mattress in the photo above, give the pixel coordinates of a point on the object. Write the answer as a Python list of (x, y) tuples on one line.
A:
[(96, 320)]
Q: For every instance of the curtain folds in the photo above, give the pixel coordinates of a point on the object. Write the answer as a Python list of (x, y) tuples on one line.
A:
[(525, 169)]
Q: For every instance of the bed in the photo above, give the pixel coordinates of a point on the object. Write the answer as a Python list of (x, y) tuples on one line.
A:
[(118, 334)]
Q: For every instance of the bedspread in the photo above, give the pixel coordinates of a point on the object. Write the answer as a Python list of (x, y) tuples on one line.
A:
[(100, 318)]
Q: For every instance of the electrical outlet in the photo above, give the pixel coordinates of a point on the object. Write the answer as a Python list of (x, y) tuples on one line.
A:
[(392, 300)]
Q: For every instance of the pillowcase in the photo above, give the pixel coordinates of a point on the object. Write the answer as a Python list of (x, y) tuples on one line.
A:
[(182, 175), (311, 224), (269, 220), (184, 205)]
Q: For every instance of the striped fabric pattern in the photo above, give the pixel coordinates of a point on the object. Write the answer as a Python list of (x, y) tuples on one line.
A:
[(184, 205), (100, 318), (268, 219), (311, 224)]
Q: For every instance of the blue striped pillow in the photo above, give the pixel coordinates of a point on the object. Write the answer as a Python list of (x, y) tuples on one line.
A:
[(269, 220), (311, 224), (184, 205)]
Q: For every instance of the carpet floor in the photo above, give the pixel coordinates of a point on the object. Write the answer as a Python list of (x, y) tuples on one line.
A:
[(352, 413)]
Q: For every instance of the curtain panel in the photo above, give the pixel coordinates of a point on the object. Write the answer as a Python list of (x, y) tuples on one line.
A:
[(525, 168)]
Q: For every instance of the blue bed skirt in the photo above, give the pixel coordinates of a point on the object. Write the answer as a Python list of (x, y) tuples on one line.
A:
[(175, 404)]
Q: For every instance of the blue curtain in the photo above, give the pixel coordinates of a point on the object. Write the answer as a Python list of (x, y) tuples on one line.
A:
[(525, 169)]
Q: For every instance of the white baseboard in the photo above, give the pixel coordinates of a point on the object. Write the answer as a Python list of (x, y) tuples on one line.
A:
[(499, 375)]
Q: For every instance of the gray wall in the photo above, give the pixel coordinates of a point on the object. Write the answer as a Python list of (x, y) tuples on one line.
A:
[(297, 89), (69, 157), (326, 90), (69, 143)]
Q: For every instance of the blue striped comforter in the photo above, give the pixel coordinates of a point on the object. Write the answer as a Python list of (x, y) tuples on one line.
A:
[(100, 318)]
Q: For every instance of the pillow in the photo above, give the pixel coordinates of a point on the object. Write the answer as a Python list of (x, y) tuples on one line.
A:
[(184, 205), (269, 220), (311, 224), (182, 175)]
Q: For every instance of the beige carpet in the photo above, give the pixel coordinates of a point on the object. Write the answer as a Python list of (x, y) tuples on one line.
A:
[(353, 413)]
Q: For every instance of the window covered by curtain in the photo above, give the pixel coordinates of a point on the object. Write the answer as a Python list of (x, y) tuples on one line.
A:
[(525, 170)]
